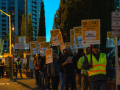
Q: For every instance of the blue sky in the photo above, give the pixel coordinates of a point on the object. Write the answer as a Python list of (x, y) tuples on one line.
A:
[(50, 7)]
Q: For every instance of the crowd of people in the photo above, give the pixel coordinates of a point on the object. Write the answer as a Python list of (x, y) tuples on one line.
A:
[(78, 71)]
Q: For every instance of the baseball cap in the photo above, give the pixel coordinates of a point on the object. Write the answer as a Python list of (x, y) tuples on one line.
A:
[(95, 46)]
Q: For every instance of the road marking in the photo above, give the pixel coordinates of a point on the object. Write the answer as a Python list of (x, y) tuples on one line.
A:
[(4, 83)]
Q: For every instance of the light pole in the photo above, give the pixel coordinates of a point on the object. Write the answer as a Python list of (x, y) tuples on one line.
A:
[(9, 30)]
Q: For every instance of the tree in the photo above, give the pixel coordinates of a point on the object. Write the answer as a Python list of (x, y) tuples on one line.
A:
[(23, 30), (69, 15), (42, 29), (30, 28), (102, 10), (6, 38), (71, 12)]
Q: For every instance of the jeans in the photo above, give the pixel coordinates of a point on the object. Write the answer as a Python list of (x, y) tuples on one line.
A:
[(47, 81), (84, 82), (17, 72), (62, 80), (69, 77), (78, 81), (97, 85), (37, 76), (42, 76), (55, 82)]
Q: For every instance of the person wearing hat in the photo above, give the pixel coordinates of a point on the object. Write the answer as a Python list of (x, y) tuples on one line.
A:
[(18, 66), (53, 72), (97, 69)]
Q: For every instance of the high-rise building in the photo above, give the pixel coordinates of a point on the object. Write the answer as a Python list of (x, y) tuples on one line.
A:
[(33, 7), (15, 8), (117, 5)]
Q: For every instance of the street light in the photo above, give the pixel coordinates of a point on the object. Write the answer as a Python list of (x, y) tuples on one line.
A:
[(2, 12), (13, 28)]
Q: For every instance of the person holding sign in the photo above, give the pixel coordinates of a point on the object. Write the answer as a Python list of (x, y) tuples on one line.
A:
[(69, 64), (36, 64), (53, 72), (97, 69)]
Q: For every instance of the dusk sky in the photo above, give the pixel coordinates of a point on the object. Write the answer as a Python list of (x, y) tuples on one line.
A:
[(50, 7)]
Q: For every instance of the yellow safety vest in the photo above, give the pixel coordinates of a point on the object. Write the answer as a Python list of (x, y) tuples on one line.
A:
[(98, 67), (18, 63), (80, 63)]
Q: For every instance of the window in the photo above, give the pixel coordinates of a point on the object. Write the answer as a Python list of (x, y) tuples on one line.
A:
[(5, 46), (3, 33), (34, 32), (34, 36), (3, 29), (3, 24), (3, 15), (3, 20), (3, 3), (13, 13), (3, 8)]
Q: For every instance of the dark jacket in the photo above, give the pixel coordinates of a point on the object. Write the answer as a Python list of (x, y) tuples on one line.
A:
[(98, 77), (51, 69), (69, 67), (42, 62), (59, 62)]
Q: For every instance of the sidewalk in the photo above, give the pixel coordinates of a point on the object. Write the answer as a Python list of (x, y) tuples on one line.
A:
[(28, 83)]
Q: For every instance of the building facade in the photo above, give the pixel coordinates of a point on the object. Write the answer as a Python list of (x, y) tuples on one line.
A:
[(33, 7), (15, 9)]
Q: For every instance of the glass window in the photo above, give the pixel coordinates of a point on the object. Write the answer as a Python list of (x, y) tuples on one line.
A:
[(3, 3), (33, 32), (3, 33), (13, 13), (3, 8), (33, 36), (3, 20), (3, 24), (3, 15), (3, 29), (5, 46)]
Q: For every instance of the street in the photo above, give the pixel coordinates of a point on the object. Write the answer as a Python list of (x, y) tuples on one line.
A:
[(6, 84)]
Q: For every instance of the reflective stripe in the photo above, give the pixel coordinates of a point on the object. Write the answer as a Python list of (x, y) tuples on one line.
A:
[(90, 72), (99, 65)]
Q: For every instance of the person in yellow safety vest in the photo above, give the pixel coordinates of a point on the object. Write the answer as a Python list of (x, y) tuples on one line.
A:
[(97, 68), (18, 67), (1, 68), (84, 77)]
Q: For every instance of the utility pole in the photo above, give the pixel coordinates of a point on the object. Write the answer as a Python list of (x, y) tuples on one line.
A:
[(26, 14)]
